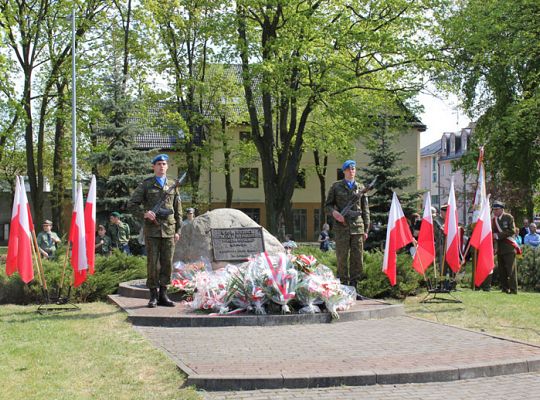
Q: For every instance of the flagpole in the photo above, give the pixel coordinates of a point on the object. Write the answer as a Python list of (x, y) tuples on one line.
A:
[(61, 284)]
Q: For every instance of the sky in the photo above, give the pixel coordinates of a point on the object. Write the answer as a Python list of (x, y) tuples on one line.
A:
[(441, 114)]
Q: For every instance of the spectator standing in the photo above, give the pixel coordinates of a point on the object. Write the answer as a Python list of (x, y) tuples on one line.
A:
[(524, 230), (103, 242), (324, 238), (119, 233), (533, 238), (48, 240), (190, 216)]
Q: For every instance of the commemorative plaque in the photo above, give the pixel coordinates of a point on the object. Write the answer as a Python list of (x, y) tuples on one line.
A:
[(236, 244)]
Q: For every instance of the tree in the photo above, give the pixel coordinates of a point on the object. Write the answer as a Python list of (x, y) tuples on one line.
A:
[(297, 54), (384, 165), (494, 62)]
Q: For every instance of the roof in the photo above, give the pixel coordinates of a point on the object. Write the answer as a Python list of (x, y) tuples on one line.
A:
[(431, 149)]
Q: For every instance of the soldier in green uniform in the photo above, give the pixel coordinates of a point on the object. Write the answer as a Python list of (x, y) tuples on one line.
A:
[(161, 229), (351, 229), (119, 232), (505, 247), (47, 240)]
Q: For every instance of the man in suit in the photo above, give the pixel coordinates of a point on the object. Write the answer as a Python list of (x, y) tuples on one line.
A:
[(505, 246)]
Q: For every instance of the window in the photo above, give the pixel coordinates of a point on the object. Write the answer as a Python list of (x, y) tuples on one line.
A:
[(433, 169), (249, 178), (434, 199), (299, 224), (253, 213), (245, 136), (300, 179)]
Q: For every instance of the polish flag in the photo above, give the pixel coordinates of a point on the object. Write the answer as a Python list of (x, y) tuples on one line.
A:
[(90, 224), (480, 194), (425, 251), (13, 241), (398, 235), (452, 233), (482, 240), (77, 237), (24, 250)]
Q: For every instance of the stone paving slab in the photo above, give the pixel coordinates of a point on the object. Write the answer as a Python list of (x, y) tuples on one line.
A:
[(394, 350), (182, 316)]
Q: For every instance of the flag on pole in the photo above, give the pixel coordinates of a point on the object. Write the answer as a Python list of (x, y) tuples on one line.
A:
[(452, 233), (482, 240), (90, 224), (425, 252), (77, 237), (480, 194), (13, 241), (24, 251), (398, 235)]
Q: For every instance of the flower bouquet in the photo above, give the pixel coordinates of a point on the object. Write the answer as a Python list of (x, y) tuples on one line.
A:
[(308, 293), (183, 276), (304, 263), (281, 281)]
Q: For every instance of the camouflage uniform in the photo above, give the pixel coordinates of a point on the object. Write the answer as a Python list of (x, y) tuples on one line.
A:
[(119, 235), (506, 254), (106, 247), (46, 242), (159, 237), (349, 236)]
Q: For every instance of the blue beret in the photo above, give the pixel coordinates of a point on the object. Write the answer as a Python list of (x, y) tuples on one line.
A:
[(347, 164), (160, 157)]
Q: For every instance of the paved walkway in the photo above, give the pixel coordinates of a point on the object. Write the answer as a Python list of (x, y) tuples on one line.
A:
[(506, 387), (365, 352)]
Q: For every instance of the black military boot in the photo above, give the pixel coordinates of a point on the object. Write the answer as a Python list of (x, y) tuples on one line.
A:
[(153, 298), (163, 298)]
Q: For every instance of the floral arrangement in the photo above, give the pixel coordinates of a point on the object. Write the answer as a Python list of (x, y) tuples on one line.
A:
[(292, 283)]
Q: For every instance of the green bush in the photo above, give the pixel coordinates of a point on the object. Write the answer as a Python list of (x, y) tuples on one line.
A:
[(528, 265), (109, 272)]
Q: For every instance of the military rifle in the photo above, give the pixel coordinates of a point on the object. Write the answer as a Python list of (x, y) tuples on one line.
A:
[(347, 210), (158, 209)]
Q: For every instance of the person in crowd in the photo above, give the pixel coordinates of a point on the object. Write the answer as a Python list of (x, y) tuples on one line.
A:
[(517, 236), (103, 242), (289, 244), (350, 230), (48, 240), (119, 233), (524, 230), (533, 238), (161, 228), (506, 247), (190, 216), (324, 238)]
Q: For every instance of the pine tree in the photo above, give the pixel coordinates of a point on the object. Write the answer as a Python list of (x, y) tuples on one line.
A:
[(390, 177)]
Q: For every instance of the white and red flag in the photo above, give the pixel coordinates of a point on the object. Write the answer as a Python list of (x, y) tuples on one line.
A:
[(480, 194), (482, 240), (452, 254), (90, 224), (398, 234), (24, 251), (77, 237), (425, 251), (13, 241)]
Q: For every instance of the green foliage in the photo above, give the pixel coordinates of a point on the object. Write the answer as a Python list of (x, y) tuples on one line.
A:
[(528, 265), (493, 53), (376, 283), (109, 273)]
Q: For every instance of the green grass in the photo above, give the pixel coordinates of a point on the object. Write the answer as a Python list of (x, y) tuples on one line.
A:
[(496, 313), (93, 353)]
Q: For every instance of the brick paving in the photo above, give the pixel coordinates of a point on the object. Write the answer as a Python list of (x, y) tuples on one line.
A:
[(505, 387), (363, 352)]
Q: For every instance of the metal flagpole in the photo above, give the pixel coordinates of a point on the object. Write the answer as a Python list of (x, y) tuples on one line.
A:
[(73, 109)]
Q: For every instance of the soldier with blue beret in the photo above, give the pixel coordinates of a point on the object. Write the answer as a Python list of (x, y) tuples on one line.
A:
[(351, 230), (161, 229)]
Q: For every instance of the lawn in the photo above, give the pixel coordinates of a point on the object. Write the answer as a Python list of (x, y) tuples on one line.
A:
[(497, 313), (93, 353)]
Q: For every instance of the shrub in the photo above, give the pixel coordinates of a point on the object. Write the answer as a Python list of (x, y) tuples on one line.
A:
[(109, 273), (528, 265)]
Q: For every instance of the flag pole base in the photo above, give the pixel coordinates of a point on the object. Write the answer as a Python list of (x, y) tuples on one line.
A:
[(443, 288), (56, 304)]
